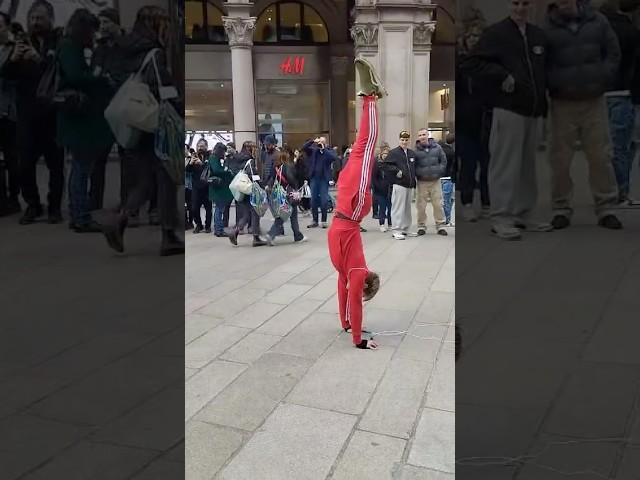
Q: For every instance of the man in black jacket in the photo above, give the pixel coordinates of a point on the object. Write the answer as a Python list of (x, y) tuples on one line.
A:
[(583, 61), (509, 60), (619, 98), (401, 163), (200, 192)]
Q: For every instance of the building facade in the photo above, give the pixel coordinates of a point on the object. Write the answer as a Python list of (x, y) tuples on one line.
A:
[(286, 67)]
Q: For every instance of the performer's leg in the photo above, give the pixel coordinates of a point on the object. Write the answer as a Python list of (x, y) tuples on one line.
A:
[(356, 285), (342, 300)]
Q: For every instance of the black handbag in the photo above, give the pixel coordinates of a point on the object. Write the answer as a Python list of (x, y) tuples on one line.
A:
[(49, 93)]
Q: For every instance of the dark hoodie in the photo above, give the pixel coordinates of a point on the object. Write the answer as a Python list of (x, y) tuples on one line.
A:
[(629, 39), (583, 53)]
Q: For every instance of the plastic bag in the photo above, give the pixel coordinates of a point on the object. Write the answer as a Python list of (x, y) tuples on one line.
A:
[(259, 199), (278, 203), (241, 185)]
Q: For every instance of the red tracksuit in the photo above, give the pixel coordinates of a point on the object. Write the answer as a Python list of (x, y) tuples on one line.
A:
[(354, 202)]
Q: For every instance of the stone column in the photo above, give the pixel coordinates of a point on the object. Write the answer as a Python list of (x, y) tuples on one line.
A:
[(240, 31), (365, 39), (339, 101), (422, 33)]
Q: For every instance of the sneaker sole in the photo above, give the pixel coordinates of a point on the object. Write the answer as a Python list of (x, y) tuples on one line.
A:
[(369, 79)]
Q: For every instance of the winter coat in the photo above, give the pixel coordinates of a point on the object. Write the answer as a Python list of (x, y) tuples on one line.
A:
[(431, 162), (87, 128), (450, 152), (583, 53), (324, 157), (195, 170), (502, 51), (289, 177), (382, 179), (469, 93), (398, 161), (219, 193)]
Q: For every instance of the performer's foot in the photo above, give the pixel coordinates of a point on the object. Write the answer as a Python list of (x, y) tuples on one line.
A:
[(369, 82), (367, 345)]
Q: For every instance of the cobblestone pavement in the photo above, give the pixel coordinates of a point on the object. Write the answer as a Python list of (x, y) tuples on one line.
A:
[(275, 390)]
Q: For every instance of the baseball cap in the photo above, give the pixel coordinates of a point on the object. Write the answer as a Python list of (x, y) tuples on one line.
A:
[(405, 134)]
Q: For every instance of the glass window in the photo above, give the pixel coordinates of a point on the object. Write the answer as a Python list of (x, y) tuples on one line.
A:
[(290, 21), (194, 20), (266, 30), (293, 122), (215, 28), (209, 106), (314, 30)]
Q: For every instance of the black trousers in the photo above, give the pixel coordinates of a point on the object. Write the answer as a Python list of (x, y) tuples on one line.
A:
[(248, 216), (146, 171), (200, 198), (188, 218), (97, 181), (10, 186), (34, 143)]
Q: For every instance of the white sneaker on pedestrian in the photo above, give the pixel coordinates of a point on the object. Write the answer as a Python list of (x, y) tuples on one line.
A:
[(506, 232), (324, 225), (399, 236), (383, 229), (469, 214)]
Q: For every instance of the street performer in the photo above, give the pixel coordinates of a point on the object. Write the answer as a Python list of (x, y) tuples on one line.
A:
[(356, 283)]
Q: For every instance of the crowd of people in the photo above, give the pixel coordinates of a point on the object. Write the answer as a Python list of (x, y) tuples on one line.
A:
[(55, 84), (581, 70), (400, 176)]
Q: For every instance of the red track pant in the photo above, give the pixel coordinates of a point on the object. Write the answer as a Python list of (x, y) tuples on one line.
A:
[(354, 202)]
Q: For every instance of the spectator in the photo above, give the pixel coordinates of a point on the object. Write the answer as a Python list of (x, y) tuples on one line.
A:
[(83, 131), (148, 38), (431, 166), (320, 159), (200, 188), (449, 180), (104, 63), (584, 58), (188, 188), (515, 79), (268, 156), (402, 165), (382, 182), (9, 203), (284, 171), (619, 99), (33, 54), (243, 159), (219, 192)]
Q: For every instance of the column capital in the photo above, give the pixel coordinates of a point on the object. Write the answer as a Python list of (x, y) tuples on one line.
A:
[(339, 66), (422, 34), (240, 31), (365, 35)]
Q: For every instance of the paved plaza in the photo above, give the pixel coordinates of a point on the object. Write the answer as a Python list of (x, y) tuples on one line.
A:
[(274, 388)]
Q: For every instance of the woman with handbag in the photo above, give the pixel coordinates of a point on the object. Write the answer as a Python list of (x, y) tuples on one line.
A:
[(245, 160), (147, 41), (285, 174), (80, 101), (219, 179)]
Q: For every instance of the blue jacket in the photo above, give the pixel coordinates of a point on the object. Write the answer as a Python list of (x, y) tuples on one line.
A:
[(326, 157)]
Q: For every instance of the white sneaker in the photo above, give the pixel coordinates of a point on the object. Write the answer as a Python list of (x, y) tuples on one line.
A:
[(383, 229), (324, 225), (506, 232), (399, 236), (411, 234), (469, 214)]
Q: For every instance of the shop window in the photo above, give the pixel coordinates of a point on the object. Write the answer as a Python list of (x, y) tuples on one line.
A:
[(290, 23), (209, 106), (203, 22)]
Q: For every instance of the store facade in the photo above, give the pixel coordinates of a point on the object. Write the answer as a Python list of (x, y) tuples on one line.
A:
[(282, 69)]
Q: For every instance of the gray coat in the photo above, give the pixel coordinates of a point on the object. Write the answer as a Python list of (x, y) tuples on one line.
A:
[(431, 162), (583, 53)]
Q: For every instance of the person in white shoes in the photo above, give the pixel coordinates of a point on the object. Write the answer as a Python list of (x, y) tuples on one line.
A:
[(382, 182), (402, 163)]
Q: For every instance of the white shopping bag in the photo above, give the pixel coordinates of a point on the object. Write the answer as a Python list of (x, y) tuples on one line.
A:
[(134, 109)]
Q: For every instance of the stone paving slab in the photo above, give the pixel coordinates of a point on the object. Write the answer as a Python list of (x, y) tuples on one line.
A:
[(196, 325), (207, 347), (409, 472), (396, 402), (285, 321), (330, 385), (254, 315), (232, 303), (161, 470), (247, 402), (208, 448), (250, 348), (368, 456), (312, 337), (295, 442), (434, 443), (207, 383)]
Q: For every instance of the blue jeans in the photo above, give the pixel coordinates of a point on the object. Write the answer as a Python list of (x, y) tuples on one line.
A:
[(278, 226), (472, 153), (218, 217), (384, 208), (82, 160), (621, 122), (448, 187), (319, 198)]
